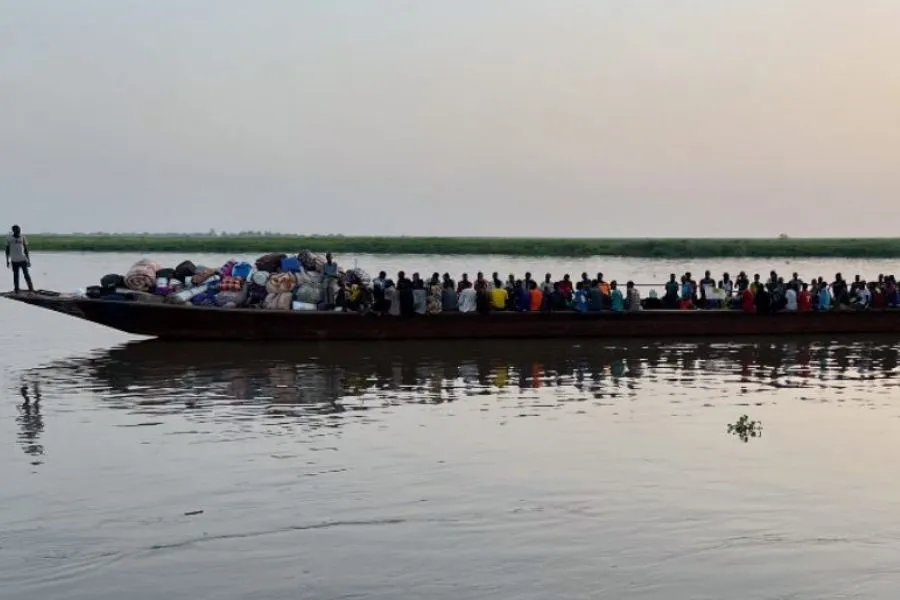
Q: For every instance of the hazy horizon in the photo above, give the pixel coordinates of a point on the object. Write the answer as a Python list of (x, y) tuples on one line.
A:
[(528, 118)]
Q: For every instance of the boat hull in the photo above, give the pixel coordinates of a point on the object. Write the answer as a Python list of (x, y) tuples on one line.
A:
[(167, 321)]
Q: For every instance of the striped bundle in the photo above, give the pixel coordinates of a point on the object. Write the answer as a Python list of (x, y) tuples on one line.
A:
[(141, 277), (231, 284), (281, 283)]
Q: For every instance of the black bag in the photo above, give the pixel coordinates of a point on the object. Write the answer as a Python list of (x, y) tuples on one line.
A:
[(166, 273), (112, 281), (184, 270)]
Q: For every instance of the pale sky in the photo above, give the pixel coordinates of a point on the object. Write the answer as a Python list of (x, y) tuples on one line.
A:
[(459, 117)]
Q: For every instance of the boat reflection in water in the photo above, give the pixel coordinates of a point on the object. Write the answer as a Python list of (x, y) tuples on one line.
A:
[(324, 380)]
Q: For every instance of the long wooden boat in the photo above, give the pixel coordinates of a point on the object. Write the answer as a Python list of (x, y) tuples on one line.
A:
[(169, 321)]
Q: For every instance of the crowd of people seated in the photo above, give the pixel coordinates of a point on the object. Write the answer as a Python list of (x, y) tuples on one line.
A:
[(415, 295)]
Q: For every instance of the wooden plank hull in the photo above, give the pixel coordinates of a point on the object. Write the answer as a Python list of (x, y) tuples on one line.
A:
[(174, 322)]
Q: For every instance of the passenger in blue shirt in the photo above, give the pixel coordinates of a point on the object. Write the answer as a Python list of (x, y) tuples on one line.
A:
[(581, 300), (523, 298), (618, 302), (824, 299)]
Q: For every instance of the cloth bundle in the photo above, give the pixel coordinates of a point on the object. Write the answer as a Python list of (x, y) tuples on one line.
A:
[(270, 263), (230, 299), (311, 261), (260, 278), (231, 284), (279, 301), (204, 299), (141, 277), (227, 269), (256, 294), (281, 283), (309, 293)]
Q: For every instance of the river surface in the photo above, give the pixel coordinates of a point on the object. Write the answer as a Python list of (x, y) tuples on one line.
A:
[(534, 470)]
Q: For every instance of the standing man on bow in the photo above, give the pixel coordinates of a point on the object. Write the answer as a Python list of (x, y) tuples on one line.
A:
[(18, 258)]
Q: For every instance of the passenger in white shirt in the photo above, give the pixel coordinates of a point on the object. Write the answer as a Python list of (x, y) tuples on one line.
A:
[(468, 300), (790, 297)]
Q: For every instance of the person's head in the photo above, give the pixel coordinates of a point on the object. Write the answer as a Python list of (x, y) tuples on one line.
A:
[(672, 277), (480, 275), (528, 276), (328, 257), (584, 276), (518, 284), (756, 277), (401, 275), (435, 279), (547, 277), (706, 274), (382, 275), (612, 284), (725, 276), (16, 230), (579, 286), (804, 286), (415, 276), (532, 285), (629, 285), (857, 279), (465, 277), (599, 276), (496, 276), (566, 277)]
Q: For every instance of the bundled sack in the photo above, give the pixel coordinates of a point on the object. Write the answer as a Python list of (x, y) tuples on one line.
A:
[(242, 270), (184, 270), (230, 299), (202, 275), (227, 270), (256, 294), (112, 281), (270, 263), (205, 298), (291, 264), (309, 293), (281, 283), (260, 278), (279, 301), (311, 261), (141, 277)]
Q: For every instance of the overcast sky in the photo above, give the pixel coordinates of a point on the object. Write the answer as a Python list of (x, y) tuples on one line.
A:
[(472, 117)]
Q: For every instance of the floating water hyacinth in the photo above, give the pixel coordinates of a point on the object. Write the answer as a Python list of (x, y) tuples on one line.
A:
[(745, 429)]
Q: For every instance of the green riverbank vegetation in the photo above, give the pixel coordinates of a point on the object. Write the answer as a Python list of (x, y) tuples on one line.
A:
[(673, 248)]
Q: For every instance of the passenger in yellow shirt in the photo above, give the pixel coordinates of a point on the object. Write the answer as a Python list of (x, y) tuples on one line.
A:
[(498, 298)]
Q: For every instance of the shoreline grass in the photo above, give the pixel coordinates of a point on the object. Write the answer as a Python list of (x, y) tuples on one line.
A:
[(662, 248)]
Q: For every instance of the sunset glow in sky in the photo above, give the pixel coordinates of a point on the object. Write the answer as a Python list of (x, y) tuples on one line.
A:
[(501, 117)]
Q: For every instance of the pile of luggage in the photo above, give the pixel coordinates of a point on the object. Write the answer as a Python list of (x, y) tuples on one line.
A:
[(272, 282)]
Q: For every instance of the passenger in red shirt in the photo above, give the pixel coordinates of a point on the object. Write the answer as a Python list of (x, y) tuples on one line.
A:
[(877, 296), (748, 303), (804, 299), (536, 297)]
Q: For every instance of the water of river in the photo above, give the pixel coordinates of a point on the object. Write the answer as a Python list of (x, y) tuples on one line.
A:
[(447, 471)]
